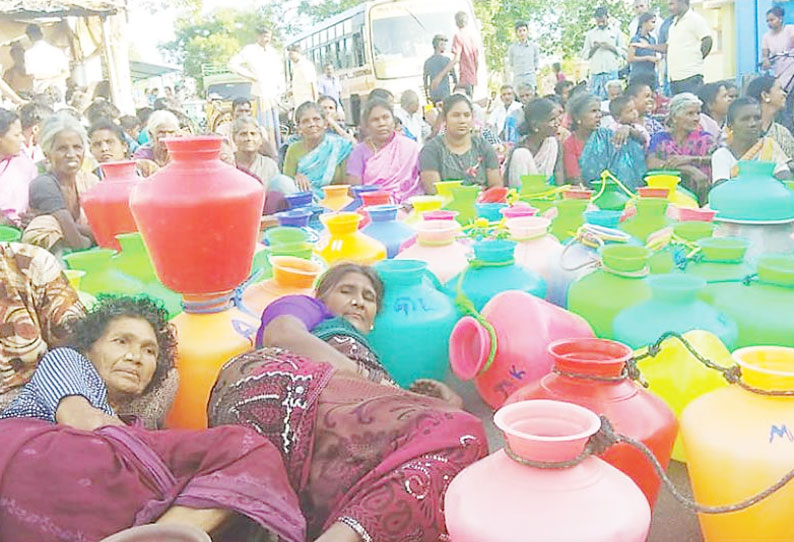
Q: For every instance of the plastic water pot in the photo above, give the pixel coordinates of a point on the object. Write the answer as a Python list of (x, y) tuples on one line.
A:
[(517, 210), (101, 277), (107, 204), (498, 499), (739, 443), (345, 242), (720, 259), (385, 228), (619, 284), (535, 249), (444, 189), (612, 198), (570, 215), (674, 306), (521, 358), (534, 184), (494, 270), (675, 375), (336, 196), (490, 211), (650, 218), (436, 246), (762, 309), (633, 411), (677, 195), (421, 205), (694, 230), (9, 234), (356, 192), (755, 195), (291, 276), (463, 200), (295, 218), (411, 332)]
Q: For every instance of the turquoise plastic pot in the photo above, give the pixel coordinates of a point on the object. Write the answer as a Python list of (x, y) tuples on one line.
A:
[(492, 212), (755, 195), (385, 227), (411, 332), (673, 306), (494, 270)]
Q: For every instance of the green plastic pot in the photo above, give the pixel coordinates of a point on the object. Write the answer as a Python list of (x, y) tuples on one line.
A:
[(534, 184), (649, 218), (570, 216), (694, 230), (9, 234), (463, 200), (720, 259)]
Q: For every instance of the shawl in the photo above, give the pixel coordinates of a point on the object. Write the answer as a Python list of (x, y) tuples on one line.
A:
[(395, 168), (320, 164)]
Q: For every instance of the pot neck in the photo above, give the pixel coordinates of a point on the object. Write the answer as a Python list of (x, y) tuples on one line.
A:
[(207, 303)]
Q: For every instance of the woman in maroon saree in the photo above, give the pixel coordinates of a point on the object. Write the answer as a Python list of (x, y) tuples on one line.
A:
[(71, 470), (368, 460)]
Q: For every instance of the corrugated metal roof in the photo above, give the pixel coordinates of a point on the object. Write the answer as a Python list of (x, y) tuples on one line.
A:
[(34, 8)]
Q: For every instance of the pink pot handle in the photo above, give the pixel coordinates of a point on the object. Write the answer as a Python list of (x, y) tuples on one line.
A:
[(469, 347)]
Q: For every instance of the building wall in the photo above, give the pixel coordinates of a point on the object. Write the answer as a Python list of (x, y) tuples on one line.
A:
[(721, 17)]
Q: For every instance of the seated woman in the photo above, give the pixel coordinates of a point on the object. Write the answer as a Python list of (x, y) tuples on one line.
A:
[(59, 221), (161, 124), (591, 149), (67, 457), (16, 170), (331, 110), (369, 461), (715, 109), (768, 92), (107, 143), (747, 143), (684, 147), (319, 158), (248, 139), (539, 151), (385, 158), (458, 154)]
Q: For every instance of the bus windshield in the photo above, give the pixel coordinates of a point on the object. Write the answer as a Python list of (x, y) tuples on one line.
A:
[(402, 35)]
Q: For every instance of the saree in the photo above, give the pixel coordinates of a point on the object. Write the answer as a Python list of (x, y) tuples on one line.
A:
[(63, 484), (319, 164), (697, 143), (627, 163), (765, 149), (374, 457), (395, 168), (522, 162)]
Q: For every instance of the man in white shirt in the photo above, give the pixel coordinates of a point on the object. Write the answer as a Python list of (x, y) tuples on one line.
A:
[(304, 77), (45, 63), (605, 48), (507, 106), (410, 116), (688, 45), (260, 63)]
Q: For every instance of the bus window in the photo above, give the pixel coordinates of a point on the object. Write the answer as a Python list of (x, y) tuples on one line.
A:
[(358, 50), (348, 26)]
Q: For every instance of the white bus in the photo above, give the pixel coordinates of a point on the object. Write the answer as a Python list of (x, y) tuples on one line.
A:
[(383, 44)]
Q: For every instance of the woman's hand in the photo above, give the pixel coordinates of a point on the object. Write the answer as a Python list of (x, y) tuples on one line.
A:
[(303, 183), (147, 167), (75, 411), (676, 161), (439, 390)]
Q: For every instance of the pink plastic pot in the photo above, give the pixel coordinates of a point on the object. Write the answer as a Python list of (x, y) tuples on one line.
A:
[(522, 357), (439, 214), (498, 499), (653, 192), (697, 215), (519, 210)]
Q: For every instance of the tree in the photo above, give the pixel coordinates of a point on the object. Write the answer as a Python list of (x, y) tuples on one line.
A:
[(327, 8)]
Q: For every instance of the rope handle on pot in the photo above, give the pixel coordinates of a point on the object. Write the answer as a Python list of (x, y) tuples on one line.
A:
[(606, 174), (606, 437), (630, 371), (466, 306)]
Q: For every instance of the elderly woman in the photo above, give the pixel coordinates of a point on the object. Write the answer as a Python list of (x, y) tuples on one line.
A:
[(161, 124), (369, 461), (107, 144), (458, 154), (768, 92), (319, 158), (385, 158), (55, 196), (684, 146), (69, 460), (16, 170), (747, 143), (539, 151)]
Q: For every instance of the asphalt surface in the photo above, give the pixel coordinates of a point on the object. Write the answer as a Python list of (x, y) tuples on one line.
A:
[(671, 522)]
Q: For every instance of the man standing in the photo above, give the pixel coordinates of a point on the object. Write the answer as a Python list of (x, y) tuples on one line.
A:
[(304, 77), (260, 63), (605, 48), (433, 67), (689, 43), (523, 57), (466, 54), (329, 84), (640, 7), (45, 63)]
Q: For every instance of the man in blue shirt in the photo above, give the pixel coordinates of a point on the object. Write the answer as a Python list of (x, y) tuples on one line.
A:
[(329, 84), (523, 57), (435, 65)]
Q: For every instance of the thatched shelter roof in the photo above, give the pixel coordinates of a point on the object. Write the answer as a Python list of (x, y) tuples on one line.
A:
[(58, 8)]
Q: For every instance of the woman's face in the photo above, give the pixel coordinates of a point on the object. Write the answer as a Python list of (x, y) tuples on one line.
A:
[(106, 146), (68, 151), (747, 123), (550, 126), (459, 119), (248, 139), (167, 129), (380, 124), (774, 21), (644, 101), (353, 297), (125, 356), (719, 107), (311, 124), (591, 118), (11, 141), (648, 26), (776, 97), (688, 119), (329, 108)]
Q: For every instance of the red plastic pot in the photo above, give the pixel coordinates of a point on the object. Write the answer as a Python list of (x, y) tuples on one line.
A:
[(634, 412), (107, 205)]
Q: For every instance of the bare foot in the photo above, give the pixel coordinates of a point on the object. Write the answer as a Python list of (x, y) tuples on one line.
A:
[(439, 390)]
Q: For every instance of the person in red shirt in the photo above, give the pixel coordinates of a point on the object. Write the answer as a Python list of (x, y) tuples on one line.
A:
[(465, 53)]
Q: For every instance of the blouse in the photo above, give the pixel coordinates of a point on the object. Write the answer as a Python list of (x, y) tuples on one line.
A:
[(471, 166)]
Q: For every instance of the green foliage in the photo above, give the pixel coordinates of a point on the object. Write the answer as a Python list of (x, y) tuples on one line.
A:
[(327, 8)]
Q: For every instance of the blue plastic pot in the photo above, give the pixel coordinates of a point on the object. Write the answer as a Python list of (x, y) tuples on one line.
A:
[(385, 227)]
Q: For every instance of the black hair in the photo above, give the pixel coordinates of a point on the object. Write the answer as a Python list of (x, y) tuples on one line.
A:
[(263, 30), (578, 105), (372, 104), (561, 86), (617, 105), (33, 113), (759, 85), (307, 106), (638, 83), (83, 333), (521, 24), (381, 93), (331, 278), (438, 38), (110, 126), (777, 11), (452, 100), (128, 122), (553, 98), (101, 109), (644, 18), (737, 104), (294, 48), (601, 12), (240, 100), (143, 114), (536, 112), (7, 118), (708, 93), (325, 98), (556, 66)]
